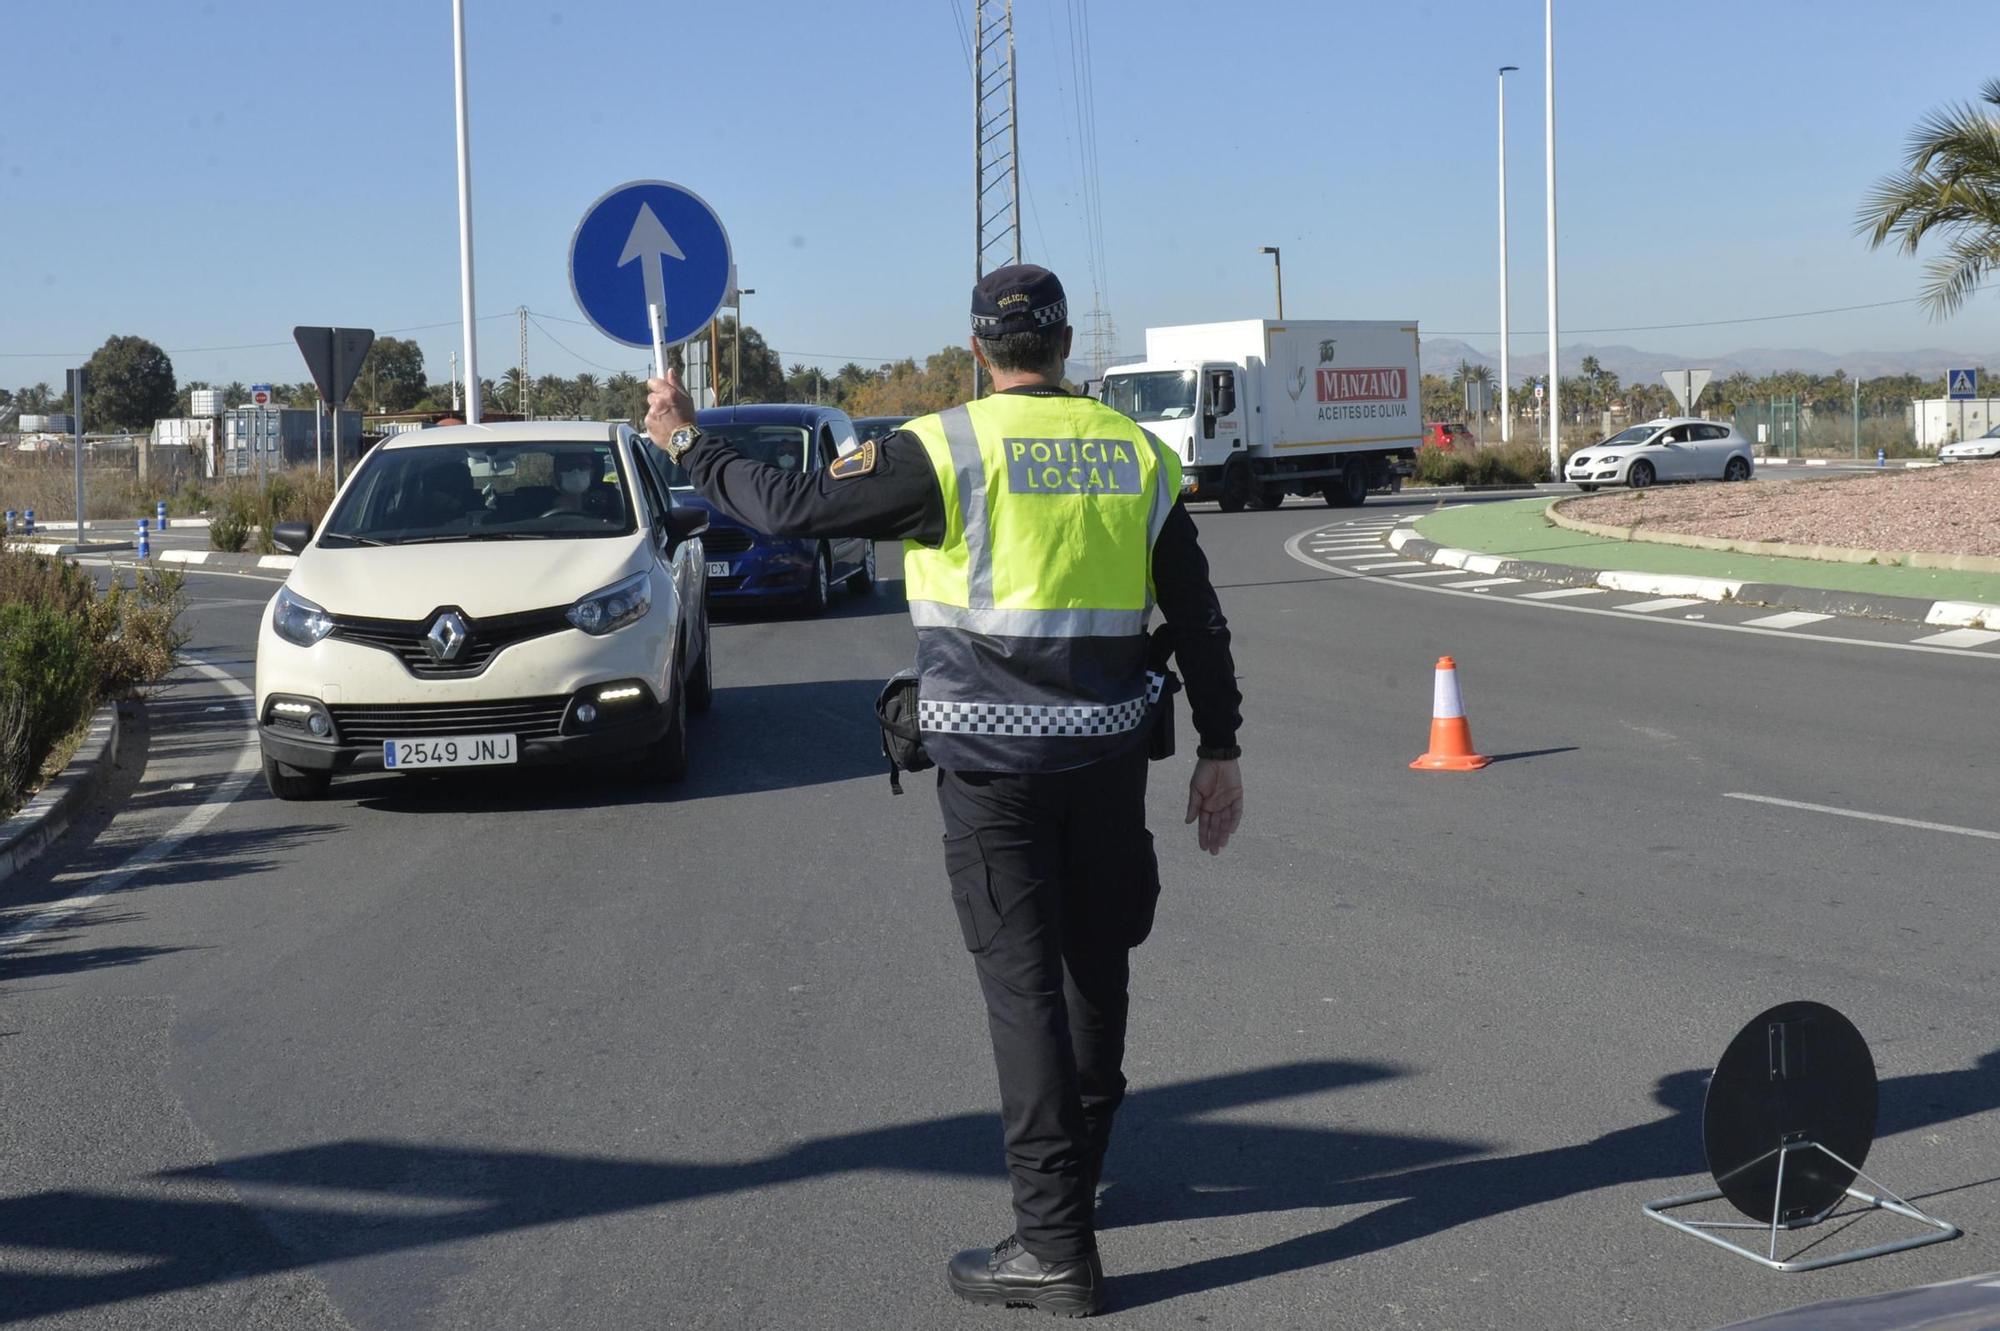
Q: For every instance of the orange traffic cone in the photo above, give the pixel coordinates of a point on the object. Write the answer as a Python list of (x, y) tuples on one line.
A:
[(1451, 738)]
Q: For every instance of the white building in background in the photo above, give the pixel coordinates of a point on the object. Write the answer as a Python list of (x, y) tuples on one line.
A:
[(1937, 421)]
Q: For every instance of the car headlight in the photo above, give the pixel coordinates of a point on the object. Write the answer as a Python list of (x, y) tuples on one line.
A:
[(298, 620), (614, 607)]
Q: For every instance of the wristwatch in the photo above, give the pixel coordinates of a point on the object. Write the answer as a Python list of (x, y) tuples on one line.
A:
[(680, 441), (1227, 754)]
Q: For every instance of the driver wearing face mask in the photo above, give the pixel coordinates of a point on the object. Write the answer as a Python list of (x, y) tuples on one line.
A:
[(575, 473)]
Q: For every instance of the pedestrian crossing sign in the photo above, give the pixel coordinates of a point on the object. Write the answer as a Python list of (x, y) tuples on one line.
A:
[(1962, 384)]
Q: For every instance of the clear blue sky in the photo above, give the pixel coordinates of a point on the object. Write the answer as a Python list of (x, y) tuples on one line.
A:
[(209, 173)]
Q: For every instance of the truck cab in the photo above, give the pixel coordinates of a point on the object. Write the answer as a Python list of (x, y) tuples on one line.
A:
[(1197, 410)]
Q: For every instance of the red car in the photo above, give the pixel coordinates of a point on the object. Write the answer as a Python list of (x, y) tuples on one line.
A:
[(1445, 437)]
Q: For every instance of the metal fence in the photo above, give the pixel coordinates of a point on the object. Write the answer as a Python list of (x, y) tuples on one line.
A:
[(1787, 426)]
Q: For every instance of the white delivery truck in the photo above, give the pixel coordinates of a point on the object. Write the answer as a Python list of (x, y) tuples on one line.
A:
[(1262, 408)]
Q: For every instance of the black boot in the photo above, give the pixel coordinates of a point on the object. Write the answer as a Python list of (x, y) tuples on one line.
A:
[(1011, 1276)]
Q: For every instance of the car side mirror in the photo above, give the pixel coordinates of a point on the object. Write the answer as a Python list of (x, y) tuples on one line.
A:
[(292, 537), (683, 521)]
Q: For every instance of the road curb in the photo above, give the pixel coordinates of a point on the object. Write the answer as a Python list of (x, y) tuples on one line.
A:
[(227, 559), (48, 815), (1825, 554), (1817, 600), (1901, 464)]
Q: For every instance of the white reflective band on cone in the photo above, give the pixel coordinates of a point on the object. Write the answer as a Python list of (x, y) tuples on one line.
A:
[(1445, 704)]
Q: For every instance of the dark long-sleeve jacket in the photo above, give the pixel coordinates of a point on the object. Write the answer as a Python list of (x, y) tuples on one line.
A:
[(900, 499)]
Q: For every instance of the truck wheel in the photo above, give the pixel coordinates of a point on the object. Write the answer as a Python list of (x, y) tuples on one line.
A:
[(1235, 487), (1347, 490), (1267, 496)]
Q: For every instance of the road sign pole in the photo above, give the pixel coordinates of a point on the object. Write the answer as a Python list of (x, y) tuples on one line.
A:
[(319, 437), (657, 312), (336, 448), (76, 392)]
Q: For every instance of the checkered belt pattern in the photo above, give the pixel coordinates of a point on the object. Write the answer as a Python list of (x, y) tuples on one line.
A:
[(1000, 718)]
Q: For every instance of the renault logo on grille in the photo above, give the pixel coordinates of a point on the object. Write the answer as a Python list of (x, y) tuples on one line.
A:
[(446, 637)]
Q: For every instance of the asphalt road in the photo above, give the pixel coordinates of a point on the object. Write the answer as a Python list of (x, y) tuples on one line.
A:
[(537, 1050)]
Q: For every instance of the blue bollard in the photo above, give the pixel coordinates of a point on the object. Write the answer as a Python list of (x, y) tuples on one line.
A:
[(28, 523), (160, 511), (145, 545), (1881, 457), (10, 522)]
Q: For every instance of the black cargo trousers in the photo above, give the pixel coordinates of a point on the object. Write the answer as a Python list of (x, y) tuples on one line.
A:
[(1054, 880)]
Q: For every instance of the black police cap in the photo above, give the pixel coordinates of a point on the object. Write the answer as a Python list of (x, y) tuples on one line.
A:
[(1020, 298)]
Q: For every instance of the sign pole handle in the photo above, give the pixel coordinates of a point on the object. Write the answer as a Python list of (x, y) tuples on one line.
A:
[(656, 313)]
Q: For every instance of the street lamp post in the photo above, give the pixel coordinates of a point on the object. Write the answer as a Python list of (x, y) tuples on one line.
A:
[(1549, 150), (736, 348), (1506, 403), (469, 324), (1278, 271)]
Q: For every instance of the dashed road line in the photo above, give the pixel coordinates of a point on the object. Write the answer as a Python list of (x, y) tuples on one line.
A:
[(1961, 638), (1431, 573), (1655, 607), (1791, 619), (1390, 563), (1476, 583), (1918, 823), (1562, 593)]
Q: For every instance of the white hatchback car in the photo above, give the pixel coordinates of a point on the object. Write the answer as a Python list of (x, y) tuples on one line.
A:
[(485, 595), (1678, 448), (1966, 450)]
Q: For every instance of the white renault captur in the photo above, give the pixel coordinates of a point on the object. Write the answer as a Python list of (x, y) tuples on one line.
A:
[(483, 595)]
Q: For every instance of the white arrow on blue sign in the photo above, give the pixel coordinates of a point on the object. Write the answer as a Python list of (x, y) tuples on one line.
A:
[(649, 241), (1963, 384)]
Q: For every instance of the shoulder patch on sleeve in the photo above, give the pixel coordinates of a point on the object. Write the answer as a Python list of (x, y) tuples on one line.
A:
[(858, 463)]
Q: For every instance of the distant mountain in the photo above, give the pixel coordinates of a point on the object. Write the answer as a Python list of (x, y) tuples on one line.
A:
[(1441, 355)]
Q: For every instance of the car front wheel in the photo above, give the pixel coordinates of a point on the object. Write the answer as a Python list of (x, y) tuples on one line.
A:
[(666, 759), (701, 680), (819, 594), (1640, 476), (863, 582), (1586, 487)]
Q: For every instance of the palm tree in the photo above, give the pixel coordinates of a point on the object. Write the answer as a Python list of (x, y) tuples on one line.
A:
[(1950, 184)]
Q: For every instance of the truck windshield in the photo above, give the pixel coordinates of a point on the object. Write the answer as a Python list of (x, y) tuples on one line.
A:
[(1160, 395)]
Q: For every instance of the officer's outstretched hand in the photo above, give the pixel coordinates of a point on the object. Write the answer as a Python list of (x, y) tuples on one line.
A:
[(1215, 797), (668, 407)]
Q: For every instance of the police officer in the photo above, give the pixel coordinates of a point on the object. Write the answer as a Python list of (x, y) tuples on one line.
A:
[(1041, 529)]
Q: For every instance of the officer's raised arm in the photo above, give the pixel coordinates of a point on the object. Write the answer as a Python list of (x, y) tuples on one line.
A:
[(884, 491)]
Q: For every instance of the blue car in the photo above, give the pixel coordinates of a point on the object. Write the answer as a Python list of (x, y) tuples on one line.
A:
[(747, 567)]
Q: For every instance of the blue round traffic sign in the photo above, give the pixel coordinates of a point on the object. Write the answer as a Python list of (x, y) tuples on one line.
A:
[(649, 240)]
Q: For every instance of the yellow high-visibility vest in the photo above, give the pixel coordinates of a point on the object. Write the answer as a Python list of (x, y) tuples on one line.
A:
[(1031, 613)]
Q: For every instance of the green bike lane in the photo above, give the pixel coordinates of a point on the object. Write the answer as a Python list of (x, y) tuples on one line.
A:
[(1520, 529)]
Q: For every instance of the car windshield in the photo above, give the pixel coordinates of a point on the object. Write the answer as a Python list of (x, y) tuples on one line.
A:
[(487, 492), (1159, 395), (786, 447), (1637, 434)]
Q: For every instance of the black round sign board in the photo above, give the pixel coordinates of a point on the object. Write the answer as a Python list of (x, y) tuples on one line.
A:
[(1797, 1073)]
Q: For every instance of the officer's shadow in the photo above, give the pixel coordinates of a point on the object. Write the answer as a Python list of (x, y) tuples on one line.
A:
[(1172, 1169)]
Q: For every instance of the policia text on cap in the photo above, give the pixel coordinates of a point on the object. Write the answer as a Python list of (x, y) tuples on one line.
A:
[(1041, 529)]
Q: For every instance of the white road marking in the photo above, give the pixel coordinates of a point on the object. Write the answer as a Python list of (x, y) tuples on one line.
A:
[(191, 824), (1791, 619), (1562, 593), (1917, 823), (1295, 549), (1962, 638), (1347, 545), (1430, 573), (1404, 563), (1479, 582), (1664, 603)]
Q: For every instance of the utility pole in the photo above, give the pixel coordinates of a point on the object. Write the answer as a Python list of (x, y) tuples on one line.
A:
[(1506, 405), (454, 381), (996, 174), (522, 313), (736, 348), (1278, 271)]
